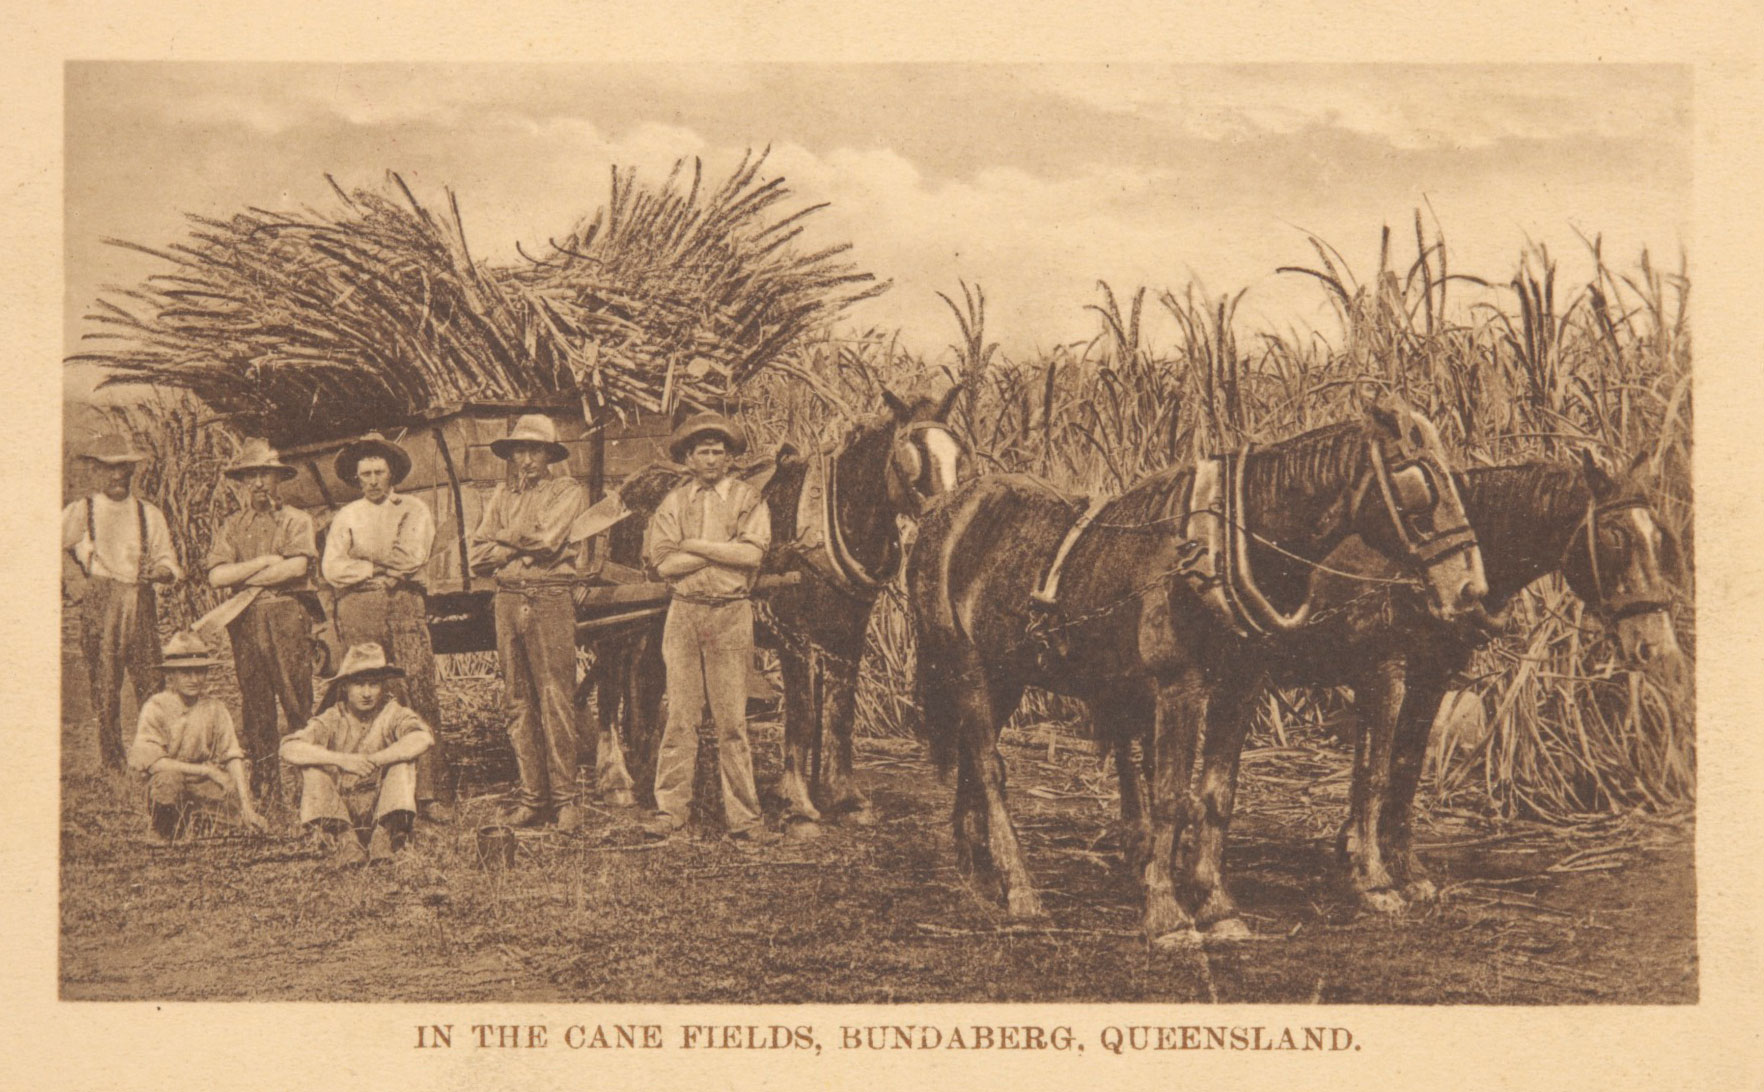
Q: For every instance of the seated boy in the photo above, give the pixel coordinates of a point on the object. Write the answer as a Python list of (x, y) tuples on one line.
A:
[(184, 743), (358, 760)]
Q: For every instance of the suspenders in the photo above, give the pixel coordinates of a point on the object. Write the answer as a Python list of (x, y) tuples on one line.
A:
[(140, 527)]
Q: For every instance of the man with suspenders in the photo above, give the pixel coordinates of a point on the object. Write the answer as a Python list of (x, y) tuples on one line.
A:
[(123, 546)]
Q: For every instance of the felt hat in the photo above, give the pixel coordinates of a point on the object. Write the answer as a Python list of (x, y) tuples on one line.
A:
[(257, 454), (364, 661), (185, 651), (533, 428), (373, 444), (702, 424), (113, 450)]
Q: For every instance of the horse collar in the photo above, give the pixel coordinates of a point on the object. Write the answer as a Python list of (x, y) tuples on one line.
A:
[(820, 540)]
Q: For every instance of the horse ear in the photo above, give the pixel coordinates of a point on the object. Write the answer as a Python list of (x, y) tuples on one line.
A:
[(900, 409), (1387, 416), (948, 402), (1597, 480)]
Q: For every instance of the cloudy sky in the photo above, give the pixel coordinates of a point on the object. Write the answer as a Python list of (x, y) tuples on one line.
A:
[(1034, 181)]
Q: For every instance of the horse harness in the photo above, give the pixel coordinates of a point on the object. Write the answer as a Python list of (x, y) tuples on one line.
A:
[(1213, 554), (1588, 532), (819, 539)]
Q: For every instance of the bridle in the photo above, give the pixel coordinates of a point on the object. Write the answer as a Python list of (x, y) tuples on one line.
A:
[(1587, 531), (1410, 490), (904, 488)]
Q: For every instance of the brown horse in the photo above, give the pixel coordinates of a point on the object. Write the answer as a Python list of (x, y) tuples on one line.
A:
[(843, 537), (1140, 647), (1531, 520)]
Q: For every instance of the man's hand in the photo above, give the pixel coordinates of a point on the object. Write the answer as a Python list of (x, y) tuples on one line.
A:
[(378, 583), (359, 765), (162, 574), (253, 819), (217, 775)]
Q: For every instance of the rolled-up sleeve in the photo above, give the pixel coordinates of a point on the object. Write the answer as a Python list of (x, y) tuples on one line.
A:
[(159, 543), (662, 537), (226, 740), (151, 739), (340, 567), (483, 552), (73, 533), (755, 527), (295, 536)]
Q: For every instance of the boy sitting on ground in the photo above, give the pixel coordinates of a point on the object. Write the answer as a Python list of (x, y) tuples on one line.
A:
[(358, 761), (185, 745)]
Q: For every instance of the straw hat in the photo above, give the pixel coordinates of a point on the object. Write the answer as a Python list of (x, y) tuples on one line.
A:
[(257, 454), (113, 450), (367, 447), (702, 424), (533, 428), (184, 652), (364, 661)]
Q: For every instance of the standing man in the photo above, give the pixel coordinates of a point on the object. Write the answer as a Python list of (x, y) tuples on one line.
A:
[(124, 547), (706, 540), (266, 548), (523, 539), (375, 551)]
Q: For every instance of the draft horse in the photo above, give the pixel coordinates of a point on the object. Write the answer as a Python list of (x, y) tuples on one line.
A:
[(1531, 520), (1136, 638), (834, 520)]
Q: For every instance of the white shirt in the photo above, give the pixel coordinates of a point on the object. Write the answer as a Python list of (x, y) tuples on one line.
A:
[(115, 553), (396, 534)]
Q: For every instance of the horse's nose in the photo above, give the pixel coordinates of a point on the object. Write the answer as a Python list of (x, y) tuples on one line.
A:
[(1644, 652), (1472, 592)]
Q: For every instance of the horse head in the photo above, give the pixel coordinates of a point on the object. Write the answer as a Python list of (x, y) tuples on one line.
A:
[(1408, 508), (927, 458), (1620, 561)]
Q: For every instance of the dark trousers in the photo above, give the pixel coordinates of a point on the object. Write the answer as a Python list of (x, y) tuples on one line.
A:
[(118, 632), (398, 621), (272, 653), (536, 646)]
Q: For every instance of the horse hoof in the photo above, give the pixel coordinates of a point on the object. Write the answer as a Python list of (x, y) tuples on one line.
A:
[(1229, 929), (1178, 940), (862, 817), (802, 830), (1025, 906), (1382, 901), (619, 798)]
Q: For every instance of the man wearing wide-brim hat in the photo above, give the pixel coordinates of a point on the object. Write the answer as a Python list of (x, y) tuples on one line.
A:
[(185, 745), (523, 538), (267, 549), (357, 760), (375, 552), (707, 539), (123, 546)]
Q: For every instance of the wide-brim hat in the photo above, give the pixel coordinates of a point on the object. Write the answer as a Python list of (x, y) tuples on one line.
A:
[(364, 661), (257, 454), (185, 652), (397, 460), (533, 428), (701, 424), (113, 450)]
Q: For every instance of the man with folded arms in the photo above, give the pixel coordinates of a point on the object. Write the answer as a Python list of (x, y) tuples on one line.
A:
[(523, 539), (267, 548), (375, 552)]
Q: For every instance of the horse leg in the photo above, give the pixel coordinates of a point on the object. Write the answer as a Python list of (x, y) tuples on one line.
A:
[(800, 724), (1181, 706), (1228, 721), (612, 778), (839, 701), (979, 711), (1118, 723), (1396, 833), (1379, 701)]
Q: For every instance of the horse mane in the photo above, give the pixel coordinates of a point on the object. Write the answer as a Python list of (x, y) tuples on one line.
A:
[(1275, 474), (1514, 502)]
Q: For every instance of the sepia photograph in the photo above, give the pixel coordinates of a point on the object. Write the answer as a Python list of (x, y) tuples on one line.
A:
[(878, 534)]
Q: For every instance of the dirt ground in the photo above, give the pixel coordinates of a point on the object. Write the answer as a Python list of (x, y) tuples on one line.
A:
[(1599, 913)]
